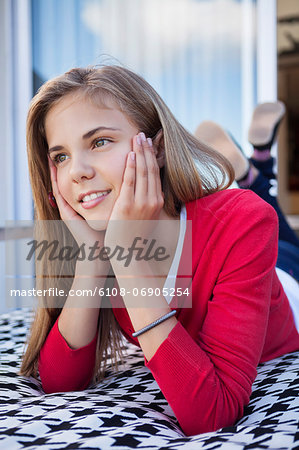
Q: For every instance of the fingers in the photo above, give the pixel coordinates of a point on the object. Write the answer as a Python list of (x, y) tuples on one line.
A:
[(65, 210), (148, 190), (155, 194), (140, 146), (53, 175), (153, 173), (128, 187)]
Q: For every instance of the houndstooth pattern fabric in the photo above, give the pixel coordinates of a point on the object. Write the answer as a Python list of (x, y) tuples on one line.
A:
[(128, 410)]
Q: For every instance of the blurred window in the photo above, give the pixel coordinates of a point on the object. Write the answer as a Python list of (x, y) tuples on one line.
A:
[(200, 55)]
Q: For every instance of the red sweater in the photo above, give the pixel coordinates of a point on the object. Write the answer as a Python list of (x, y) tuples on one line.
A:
[(240, 316)]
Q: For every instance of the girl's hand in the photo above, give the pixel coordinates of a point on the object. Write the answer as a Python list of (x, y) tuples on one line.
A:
[(79, 228), (140, 198)]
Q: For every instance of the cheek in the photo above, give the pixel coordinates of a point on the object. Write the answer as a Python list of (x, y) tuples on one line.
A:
[(119, 172), (63, 185), (114, 171)]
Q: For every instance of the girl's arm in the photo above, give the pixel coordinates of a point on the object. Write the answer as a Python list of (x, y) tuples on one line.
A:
[(67, 358), (136, 213), (207, 378), (206, 368), (78, 319)]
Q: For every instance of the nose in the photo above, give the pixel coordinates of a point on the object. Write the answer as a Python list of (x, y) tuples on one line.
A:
[(81, 169)]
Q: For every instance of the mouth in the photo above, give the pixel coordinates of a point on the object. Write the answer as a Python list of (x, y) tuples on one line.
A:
[(92, 199)]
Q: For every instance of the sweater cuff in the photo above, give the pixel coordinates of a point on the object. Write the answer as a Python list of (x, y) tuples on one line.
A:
[(74, 351), (177, 357), (62, 368)]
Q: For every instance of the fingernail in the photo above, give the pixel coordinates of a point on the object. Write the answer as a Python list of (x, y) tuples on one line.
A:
[(142, 135), (132, 156), (150, 143), (138, 140)]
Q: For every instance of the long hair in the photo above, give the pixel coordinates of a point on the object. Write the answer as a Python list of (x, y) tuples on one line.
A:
[(192, 170)]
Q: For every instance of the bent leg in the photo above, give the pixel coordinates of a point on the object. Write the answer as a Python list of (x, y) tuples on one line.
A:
[(288, 259), (253, 174), (265, 167), (266, 189)]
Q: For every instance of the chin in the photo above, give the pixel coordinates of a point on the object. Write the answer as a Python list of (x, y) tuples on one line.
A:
[(97, 225)]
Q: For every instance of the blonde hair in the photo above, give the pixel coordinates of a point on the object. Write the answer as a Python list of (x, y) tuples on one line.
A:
[(191, 170)]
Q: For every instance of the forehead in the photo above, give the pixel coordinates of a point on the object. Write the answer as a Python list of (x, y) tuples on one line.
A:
[(78, 113), (81, 101)]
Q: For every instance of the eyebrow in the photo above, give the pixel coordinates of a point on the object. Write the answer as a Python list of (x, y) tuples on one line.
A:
[(85, 136), (91, 132)]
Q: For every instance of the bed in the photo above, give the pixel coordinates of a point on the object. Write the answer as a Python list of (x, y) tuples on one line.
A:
[(127, 409)]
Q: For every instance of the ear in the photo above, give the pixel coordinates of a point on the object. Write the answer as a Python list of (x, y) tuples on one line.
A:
[(158, 145)]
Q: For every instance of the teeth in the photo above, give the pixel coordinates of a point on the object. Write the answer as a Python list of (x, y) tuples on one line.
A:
[(94, 195)]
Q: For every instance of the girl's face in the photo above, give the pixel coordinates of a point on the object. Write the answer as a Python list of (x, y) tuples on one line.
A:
[(89, 145)]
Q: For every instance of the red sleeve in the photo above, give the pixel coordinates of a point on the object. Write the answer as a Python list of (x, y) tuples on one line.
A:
[(207, 381), (62, 368)]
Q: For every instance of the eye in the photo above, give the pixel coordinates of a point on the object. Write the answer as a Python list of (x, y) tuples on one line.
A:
[(100, 142), (59, 158)]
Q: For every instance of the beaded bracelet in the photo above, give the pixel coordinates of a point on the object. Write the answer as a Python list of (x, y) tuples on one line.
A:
[(153, 324)]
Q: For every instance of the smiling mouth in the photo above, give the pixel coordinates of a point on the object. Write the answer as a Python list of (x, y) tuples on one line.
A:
[(92, 200), (94, 195)]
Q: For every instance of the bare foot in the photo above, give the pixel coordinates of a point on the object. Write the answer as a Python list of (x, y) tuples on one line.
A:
[(212, 134), (264, 123)]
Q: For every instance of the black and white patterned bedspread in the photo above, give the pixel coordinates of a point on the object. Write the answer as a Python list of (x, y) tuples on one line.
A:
[(127, 410)]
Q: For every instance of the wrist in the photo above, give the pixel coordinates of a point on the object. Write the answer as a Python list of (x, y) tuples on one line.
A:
[(92, 268)]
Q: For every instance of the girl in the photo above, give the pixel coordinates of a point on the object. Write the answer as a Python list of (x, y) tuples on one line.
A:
[(111, 151)]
